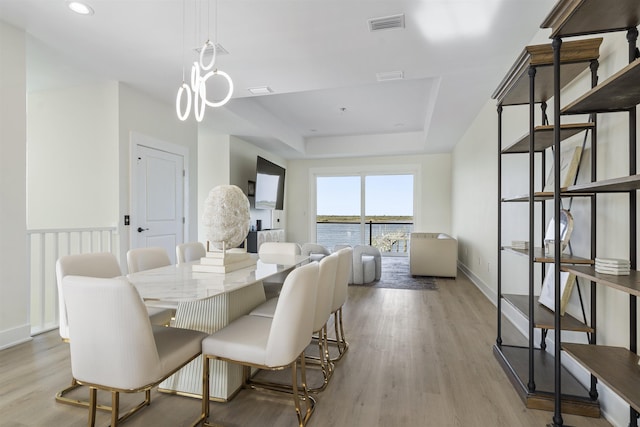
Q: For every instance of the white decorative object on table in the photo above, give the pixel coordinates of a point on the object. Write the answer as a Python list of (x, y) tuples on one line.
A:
[(226, 216)]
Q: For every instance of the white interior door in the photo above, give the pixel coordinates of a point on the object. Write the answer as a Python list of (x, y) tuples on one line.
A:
[(159, 199)]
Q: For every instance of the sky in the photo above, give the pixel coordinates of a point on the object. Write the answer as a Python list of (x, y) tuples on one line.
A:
[(384, 195)]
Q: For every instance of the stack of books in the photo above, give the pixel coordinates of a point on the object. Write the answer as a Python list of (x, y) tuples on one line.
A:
[(617, 267), (520, 244), (224, 262)]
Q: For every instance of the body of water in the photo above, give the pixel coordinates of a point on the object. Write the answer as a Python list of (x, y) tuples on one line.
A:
[(387, 237)]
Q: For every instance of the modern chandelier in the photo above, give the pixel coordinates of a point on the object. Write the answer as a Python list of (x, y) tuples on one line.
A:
[(201, 72)]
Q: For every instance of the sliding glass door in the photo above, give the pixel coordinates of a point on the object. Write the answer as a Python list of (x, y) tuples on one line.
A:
[(365, 209)]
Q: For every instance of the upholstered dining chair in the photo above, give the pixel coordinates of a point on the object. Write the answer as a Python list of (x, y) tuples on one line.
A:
[(270, 343), (314, 251), (340, 293), (141, 259), (98, 264), (191, 251), (268, 249), (324, 301), (126, 354)]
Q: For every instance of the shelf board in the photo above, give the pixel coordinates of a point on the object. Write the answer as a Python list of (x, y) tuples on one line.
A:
[(629, 284), (580, 17), (614, 185), (574, 57), (540, 256), (543, 196), (619, 92), (543, 317), (543, 137), (616, 367), (515, 362)]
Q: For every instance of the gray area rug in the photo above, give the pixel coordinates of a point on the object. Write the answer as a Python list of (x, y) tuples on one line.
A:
[(395, 275)]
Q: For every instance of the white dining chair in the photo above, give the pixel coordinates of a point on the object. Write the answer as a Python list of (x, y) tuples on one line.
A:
[(98, 264), (340, 294), (277, 249), (191, 251), (125, 354), (141, 259), (270, 343), (324, 302)]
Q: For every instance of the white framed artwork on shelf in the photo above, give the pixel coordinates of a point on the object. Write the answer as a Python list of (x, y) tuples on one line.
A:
[(569, 163), (547, 293)]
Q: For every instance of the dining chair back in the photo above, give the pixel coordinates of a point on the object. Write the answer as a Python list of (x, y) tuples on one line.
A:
[(191, 251), (141, 259), (126, 353)]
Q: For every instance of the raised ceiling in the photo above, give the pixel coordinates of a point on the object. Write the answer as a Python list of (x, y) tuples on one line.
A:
[(319, 58)]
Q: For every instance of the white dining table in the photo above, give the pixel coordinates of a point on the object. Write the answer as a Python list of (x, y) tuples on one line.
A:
[(207, 302)]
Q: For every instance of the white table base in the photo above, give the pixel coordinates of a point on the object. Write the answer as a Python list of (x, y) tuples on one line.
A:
[(209, 315)]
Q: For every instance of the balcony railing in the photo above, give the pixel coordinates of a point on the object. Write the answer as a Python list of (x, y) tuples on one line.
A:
[(44, 247), (392, 238)]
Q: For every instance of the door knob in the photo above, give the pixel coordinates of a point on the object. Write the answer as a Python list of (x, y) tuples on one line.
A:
[(140, 229)]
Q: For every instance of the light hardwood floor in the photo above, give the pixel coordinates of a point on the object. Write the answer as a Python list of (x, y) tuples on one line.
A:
[(417, 358)]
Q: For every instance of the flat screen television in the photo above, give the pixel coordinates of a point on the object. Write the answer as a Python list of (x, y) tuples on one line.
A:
[(269, 185)]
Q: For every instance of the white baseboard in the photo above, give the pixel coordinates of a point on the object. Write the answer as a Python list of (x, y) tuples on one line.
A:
[(614, 409), (15, 336)]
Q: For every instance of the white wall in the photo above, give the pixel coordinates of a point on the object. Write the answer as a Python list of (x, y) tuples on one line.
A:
[(73, 157), (138, 112), (213, 169), (432, 210), (475, 198), (14, 289)]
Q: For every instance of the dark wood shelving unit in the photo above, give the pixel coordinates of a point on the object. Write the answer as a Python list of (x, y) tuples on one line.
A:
[(540, 256), (530, 81), (582, 17), (619, 92), (543, 317), (575, 398), (616, 367), (629, 284), (614, 185), (514, 88), (544, 196), (543, 138)]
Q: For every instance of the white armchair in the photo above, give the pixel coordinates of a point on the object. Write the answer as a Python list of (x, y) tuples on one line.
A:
[(367, 264), (433, 254), (314, 251)]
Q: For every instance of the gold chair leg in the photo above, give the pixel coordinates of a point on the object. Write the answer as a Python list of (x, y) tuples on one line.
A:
[(326, 365), (61, 397), (340, 341), (115, 405), (310, 402), (204, 416), (93, 397)]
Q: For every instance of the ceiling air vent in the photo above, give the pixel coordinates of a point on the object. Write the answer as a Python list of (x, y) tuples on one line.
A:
[(209, 51), (386, 23)]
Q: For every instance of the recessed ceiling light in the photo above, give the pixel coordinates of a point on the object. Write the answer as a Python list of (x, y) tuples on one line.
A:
[(261, 90), (390, 75), (80, 8)]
